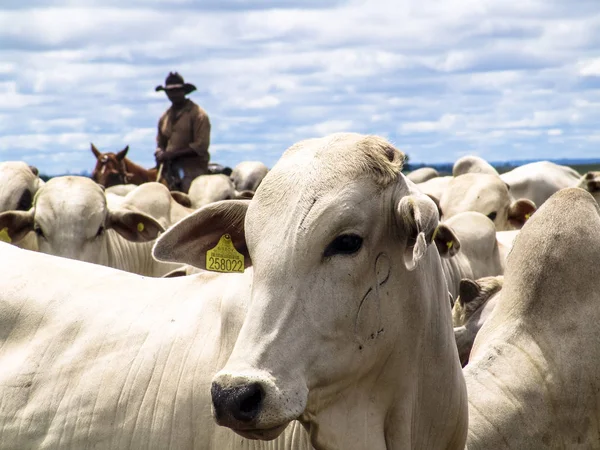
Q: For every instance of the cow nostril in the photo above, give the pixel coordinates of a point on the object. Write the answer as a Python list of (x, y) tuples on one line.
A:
[(242, 403), (249, 400), (252, 399)]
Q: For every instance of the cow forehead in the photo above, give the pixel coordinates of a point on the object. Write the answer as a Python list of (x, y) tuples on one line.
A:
[(71, 196), (312, 175)]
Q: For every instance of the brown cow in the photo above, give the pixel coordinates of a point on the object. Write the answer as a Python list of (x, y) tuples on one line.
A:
[(115, 168)]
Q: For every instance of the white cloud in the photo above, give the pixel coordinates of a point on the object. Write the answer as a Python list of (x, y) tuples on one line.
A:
[(440, 79), (590, 68)]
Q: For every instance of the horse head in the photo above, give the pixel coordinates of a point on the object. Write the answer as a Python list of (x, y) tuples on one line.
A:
[(111, 168)]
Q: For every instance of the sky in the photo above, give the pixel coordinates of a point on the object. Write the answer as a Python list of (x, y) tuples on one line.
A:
[(505, 80)]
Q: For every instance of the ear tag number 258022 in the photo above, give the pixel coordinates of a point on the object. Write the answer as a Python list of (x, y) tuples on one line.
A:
[(224, 257)]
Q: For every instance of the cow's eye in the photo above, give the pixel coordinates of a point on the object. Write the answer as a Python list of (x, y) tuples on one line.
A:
[(345, 244), (492, 216), (37, 230), (25, 201)]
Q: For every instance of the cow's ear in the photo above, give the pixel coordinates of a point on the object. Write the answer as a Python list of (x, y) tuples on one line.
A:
[(95, 151), (123, 153), (247, 194), (14, 225), (182, 198), (468, 290), (519, 212), (134, 226), (418, 217), (189, 240), (446, 241)]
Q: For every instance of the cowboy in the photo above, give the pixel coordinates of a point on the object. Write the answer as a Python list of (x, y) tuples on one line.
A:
[(183, 136)]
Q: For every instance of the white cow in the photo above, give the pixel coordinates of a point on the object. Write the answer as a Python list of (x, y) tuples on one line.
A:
[(19, 183), (356, 350), (486, 194), (435, 187), (70, 218), (120, 189), (422, 174), (472, 164), (95, 358), (123, 189), (153, 199), (207, 189), (478, 254), (534, 372), (247, 175), (349, 329), (539, 180)]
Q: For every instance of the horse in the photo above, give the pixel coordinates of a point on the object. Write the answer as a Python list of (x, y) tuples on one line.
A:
[(115, 168)]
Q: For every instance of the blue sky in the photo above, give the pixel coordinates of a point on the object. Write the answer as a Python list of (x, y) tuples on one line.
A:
[(511, 79)]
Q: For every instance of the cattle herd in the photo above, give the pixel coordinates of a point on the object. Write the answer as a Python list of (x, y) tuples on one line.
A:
[(371, 309)]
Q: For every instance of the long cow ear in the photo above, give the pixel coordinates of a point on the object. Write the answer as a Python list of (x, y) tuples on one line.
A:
[(189, 239), (14, 225), (95, 151), (418, 216), (134, 226), (446, 241), (520, 211)]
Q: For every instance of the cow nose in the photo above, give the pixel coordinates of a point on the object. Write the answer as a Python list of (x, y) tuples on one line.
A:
[(243, 403)]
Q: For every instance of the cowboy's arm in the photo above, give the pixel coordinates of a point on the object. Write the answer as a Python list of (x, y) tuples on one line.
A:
[(201, 133), (161, 139)]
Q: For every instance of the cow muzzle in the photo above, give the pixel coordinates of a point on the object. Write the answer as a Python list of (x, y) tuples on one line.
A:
[(253, 405)]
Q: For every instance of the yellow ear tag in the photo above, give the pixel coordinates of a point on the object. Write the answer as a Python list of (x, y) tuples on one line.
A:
[(4, 237), (449, 244), (140, 227), (224, 257), (527, 216)]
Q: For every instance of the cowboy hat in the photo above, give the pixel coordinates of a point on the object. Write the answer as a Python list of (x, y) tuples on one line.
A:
[(175, 81)]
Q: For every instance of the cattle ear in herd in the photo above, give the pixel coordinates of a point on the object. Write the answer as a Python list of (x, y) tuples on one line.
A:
[(189, 239), (591, 182), (446, 241), (95, 151), (418, 217), (520, 211), (123, 153), (134, 226), (14, 225), (468, 290), (34, 170), (182, 198), (247, 194)]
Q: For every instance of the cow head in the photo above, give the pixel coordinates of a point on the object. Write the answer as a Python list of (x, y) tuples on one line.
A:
[(489, 195), (70, 218), (348, 326), (110, 168)]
